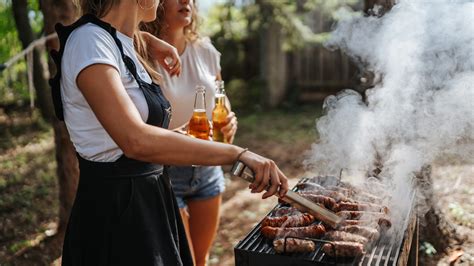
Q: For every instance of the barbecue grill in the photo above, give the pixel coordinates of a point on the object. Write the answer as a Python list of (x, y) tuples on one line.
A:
[(256, 250)]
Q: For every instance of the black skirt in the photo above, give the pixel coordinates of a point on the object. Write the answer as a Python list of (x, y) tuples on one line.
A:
[(125, 213)]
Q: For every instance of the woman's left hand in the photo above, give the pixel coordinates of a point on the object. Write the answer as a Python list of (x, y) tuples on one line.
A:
[(163, 52), (230, 128)]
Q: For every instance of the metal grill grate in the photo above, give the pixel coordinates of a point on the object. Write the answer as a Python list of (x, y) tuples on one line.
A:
[(256, 250)]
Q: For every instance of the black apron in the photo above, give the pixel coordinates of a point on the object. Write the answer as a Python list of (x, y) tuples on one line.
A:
[(125, 212)]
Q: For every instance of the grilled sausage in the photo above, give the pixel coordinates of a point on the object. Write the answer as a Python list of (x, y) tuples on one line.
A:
[(293, 245), (295, 220), (285, 211), (383, 222), (368, 232), (356, 194), (337, 196), (351, 206), (343, 249), (327, 202), (345, 236), (358, 214), (316, 230)]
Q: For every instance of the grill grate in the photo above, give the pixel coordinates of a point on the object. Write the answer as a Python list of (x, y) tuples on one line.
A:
[(256, 250)]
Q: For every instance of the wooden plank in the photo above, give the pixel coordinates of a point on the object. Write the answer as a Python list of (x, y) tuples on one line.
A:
[(407, 243)]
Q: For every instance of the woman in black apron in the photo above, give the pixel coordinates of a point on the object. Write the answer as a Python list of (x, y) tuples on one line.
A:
[(125, 211)]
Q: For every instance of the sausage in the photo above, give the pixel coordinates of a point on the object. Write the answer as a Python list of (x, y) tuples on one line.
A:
[(356, 194), (285, 211), (293, 245), (327, 202), (343, 249), (359, 214), (345, 236), (295, 220), (383, 222), (368, 232), (351, 206), (337, 196), (271, 232)]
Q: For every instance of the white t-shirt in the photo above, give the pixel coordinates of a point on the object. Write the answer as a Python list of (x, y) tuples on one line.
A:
[(200, 65), (88, 45)]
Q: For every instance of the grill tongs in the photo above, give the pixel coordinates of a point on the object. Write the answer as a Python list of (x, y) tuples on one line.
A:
[(330, 218)]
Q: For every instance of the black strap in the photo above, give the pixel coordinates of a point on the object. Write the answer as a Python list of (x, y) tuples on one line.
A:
[(63, 35)]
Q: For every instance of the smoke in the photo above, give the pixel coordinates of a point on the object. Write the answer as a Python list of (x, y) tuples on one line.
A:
[(422, 109)]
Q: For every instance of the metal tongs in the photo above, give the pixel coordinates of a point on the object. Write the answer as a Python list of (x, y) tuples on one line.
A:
[(330, 218)]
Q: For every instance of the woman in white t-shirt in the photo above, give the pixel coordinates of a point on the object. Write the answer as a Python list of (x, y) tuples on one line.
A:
[(198, 189), (125, 212)]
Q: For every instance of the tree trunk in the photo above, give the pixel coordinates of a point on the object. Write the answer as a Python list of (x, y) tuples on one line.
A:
[(274, 65), (434, 228), (62, 11), (25, 33)]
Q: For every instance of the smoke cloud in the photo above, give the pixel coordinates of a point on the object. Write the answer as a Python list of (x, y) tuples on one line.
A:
[(420, 111)]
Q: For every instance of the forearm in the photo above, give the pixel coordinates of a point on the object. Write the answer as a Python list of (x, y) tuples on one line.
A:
[(166, 147)]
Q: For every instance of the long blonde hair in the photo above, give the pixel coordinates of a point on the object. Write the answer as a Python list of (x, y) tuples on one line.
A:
[(158, 26), (100, 8)]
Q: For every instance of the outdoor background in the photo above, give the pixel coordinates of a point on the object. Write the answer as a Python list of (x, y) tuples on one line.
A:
[(277, 73)]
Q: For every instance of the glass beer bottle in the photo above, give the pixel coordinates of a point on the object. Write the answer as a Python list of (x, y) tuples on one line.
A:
[(219, 113), (198, 124)]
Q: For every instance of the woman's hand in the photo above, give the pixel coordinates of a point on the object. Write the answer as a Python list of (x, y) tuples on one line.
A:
[(230, 128), (164, 53), (182, 129), (267, 174)]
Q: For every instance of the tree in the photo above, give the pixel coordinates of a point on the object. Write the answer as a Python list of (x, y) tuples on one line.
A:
[(65, 12), (67, 170), (25, 33)]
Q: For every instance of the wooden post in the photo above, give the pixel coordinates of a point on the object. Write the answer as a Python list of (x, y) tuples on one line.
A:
[(274, 65)]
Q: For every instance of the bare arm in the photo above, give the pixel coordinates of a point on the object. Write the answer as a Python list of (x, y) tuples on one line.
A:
[(164, 53), (138, 140)]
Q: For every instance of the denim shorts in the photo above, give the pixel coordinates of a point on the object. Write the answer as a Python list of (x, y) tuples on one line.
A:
[(196, 182)]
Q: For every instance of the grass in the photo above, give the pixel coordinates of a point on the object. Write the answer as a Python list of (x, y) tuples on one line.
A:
[(28, 186), (279, 125)]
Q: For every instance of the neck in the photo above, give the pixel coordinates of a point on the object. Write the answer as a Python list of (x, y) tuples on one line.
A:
[(175, 37), (125, 22)]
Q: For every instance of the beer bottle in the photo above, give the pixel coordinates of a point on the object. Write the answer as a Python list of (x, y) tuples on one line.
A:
[(198, 124), (219, 113)]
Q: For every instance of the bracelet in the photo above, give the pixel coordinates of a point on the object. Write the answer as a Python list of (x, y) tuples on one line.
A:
[(240, 154)]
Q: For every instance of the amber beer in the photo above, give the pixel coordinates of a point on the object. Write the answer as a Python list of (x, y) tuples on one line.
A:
[(198, 124), (219, 113)]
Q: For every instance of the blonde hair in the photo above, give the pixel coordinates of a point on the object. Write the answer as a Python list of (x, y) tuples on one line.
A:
[(158, 26), (100, 8)]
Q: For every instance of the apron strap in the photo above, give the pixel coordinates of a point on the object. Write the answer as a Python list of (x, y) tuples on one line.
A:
[(63, 35)]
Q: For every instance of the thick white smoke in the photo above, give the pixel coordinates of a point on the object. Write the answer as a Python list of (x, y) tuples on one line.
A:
[(423, 107)]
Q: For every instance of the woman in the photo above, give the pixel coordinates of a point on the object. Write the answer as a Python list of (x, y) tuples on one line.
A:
[(125, 212), (197, 189)]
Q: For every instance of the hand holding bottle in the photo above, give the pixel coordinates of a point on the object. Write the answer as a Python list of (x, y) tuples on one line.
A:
[(230, 128), (220, 113)]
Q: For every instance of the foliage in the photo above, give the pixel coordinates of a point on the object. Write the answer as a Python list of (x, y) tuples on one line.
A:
[(13, 81), (9, 43)]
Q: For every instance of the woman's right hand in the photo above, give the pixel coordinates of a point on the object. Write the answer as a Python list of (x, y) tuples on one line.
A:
[(267, 174)]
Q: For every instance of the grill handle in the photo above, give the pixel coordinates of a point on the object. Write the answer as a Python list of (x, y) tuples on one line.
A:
[(330, 218)]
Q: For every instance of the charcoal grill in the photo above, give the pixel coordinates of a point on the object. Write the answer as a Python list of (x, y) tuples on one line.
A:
[(256, 250)]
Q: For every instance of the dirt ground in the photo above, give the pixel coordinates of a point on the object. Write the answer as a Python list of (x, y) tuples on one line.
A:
[(28, 192)]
